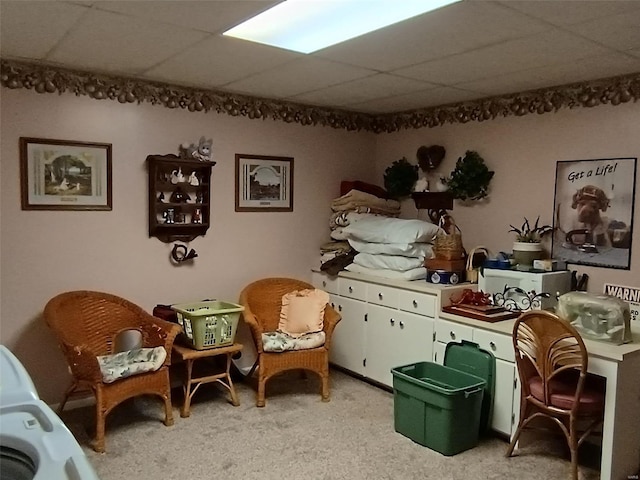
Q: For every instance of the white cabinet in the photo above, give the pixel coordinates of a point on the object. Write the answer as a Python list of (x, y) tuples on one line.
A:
[(506, 394), (383, 325), (395, 338), (348, 340)]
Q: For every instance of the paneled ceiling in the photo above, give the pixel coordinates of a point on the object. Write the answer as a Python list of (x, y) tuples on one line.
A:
[(470, 50)]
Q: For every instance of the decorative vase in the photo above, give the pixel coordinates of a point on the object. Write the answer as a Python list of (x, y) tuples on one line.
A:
[(524, 253)]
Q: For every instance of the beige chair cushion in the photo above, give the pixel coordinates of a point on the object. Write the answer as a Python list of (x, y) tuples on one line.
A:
[(132, 362), (281, 342), (302, 312)]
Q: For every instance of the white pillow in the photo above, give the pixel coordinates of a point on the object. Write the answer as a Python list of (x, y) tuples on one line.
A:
[(391, 262), (417, 250), (415, 274), (391, 230)]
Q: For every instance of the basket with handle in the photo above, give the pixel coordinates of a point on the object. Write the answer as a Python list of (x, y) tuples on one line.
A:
[(448, 243), (471, 272)]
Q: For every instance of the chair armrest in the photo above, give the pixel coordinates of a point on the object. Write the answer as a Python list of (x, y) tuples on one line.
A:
[(331, 319), (83, 362), (256, 330), (157, 332)]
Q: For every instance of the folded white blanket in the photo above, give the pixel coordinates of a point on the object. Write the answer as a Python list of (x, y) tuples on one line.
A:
[(390, 262), (416, 250), (415, 274)]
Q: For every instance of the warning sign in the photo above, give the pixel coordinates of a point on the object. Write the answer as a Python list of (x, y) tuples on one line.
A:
[(628, 294)]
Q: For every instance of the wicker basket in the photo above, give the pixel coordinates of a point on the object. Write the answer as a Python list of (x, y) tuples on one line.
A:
[(448, 243), (472, 273)]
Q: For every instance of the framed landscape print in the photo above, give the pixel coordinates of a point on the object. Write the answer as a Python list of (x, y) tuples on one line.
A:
[(593, 212), (263, 183), (65, 175)]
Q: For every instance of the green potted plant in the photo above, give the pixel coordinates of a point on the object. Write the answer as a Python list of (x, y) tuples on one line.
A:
[(470, 179), (400, 178), (528, 244)]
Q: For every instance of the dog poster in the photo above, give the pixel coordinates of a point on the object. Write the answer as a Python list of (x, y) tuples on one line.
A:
[(593, 212)]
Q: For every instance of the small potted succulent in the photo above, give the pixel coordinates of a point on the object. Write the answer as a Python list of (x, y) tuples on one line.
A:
[(528, 246)]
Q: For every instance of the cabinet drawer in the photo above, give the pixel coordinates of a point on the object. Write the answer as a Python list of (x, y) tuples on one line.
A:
[(352, 289), (381, 295), (500, 345), (418, 303), (324, 282), (452, 332)]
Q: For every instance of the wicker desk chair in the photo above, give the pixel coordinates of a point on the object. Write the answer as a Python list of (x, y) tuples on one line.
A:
[(552, 364), (262, 301), (86, 325)]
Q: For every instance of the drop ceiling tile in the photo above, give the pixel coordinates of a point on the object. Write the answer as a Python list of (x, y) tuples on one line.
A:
[(569, 12), (621, 32), (209, 16), (376, 86), (32, 29), (551, 47), (591, 68), (303, 75), (423, 99), (219, 60), (449, 30), (106, 41)]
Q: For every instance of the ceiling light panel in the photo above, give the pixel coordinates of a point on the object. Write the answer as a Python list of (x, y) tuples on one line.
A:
[(309, 25)]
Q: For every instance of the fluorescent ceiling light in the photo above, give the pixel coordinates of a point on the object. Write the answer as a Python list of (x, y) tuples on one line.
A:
[(309, 25)]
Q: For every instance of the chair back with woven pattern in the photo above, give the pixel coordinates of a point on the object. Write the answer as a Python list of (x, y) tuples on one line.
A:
[(546, 347), (264, 297), (92, 319)]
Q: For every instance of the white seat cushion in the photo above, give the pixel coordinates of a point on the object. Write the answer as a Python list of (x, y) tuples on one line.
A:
[(281, 342), (131, 362)]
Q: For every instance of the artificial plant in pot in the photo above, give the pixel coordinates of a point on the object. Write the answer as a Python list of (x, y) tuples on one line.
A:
[(528, 244), (470, 179)]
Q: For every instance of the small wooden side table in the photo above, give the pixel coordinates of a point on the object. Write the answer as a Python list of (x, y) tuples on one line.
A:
[(190, 385)]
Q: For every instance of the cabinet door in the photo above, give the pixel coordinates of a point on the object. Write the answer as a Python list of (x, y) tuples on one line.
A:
[(348, 340), (501, 420), (439, 350), (395, 338)]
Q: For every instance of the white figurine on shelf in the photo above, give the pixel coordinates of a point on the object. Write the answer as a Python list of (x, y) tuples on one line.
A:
[(177, 176), (193, 179)]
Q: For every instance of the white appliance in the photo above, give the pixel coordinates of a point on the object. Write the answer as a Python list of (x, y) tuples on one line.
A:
[(495, 281), (34, 443)]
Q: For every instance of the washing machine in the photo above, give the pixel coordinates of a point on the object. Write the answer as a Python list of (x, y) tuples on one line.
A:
[(34, 443)]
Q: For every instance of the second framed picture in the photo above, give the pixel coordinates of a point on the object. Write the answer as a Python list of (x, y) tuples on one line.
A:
[(264, 183)]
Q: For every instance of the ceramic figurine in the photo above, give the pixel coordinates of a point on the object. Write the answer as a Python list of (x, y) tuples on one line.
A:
[(169, 216), (197, 216), (193, 179), (179, 196), (177, 176), (161, 198), (201, 151)]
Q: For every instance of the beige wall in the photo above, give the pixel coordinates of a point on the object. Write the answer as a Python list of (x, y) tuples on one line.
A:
[(44, 253), (523, 152), (47, 252)]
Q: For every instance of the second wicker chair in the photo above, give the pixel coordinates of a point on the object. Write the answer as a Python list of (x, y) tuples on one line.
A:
[(262, 301)]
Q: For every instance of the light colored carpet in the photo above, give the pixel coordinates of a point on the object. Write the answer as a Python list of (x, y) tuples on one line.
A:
[(296, 436)]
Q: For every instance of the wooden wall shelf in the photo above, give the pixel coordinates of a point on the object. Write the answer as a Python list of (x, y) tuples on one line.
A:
[(433, 200)]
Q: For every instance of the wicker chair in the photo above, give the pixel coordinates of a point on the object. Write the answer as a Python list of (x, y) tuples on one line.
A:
[(86, 325), (262, 301), (552, 364)]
